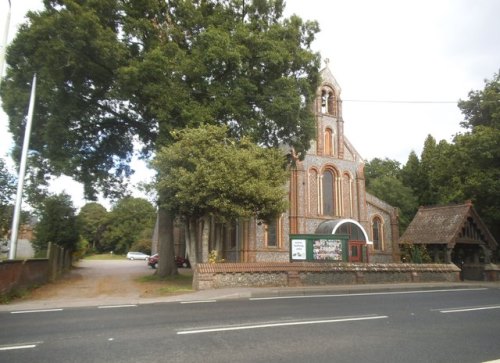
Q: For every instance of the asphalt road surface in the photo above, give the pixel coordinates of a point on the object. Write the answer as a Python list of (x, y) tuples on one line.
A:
[(446, 325)]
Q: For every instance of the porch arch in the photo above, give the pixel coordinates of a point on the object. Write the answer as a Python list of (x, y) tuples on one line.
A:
[(337, 225)]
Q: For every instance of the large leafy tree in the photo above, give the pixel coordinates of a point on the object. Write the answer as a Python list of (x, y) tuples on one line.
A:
[(126, 223), (92, 220), (7, 192), (483, 106), (57, 224), (112, 72), (207, 174), (478, 152), (377, 168)]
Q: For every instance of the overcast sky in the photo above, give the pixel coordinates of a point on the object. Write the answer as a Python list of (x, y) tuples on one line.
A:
[(401, 64)]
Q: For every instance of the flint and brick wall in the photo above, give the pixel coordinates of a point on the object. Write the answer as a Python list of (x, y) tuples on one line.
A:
[(277, 274)]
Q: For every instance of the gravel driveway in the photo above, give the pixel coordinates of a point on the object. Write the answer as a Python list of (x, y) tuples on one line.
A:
[(95, 282)]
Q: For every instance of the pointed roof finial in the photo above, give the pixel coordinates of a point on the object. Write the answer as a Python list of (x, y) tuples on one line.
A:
[(327, 61)]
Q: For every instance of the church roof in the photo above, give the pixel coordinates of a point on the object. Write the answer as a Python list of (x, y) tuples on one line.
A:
[(327, 77), (446, 225)]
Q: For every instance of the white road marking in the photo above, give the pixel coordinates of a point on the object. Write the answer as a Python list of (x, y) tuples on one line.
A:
[(20, 346), (117, 306), (35, 311), (198, 301), (493, 361), (461, 310), (272, 325), (364, 294)]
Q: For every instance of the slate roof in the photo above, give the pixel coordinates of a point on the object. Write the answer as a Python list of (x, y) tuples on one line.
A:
[(443, 224)]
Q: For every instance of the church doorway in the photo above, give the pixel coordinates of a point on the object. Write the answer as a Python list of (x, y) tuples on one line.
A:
[(358, 238)]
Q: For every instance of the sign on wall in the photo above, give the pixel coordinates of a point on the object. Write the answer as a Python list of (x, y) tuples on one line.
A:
[(299, 249), (327, 249), (315, 247)]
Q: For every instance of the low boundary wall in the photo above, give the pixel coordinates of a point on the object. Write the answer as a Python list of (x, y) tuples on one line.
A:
[(23, 274), (294, 274)]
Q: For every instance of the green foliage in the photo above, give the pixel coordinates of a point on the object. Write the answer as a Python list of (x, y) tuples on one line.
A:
[(384, 179), (127, 223), (391, 190), (478, 154), (7, 184), (377, 168), (112, 72), (412, 253), (207, 173), (7, 193), (213, 257), (483, 106), (57, 224), (92, 221), (142, 245)]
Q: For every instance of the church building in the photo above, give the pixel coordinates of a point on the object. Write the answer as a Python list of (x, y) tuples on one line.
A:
[(326, 195)]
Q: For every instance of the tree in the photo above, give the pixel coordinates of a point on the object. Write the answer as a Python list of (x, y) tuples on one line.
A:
[(57, 224), (92, 221), (126, 223), (207, 174), (112, 72), (477, 152), (377, 168), (7, 193), (392, 191), (384, 179), (483, 106)]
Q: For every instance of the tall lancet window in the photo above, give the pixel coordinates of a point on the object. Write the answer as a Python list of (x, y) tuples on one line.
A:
[(328, 193), (328, 142), (377, 233)]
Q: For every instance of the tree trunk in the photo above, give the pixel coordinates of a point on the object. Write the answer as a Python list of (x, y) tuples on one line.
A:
[(205, 239), (166, 262), (193, 240), (187, 240)]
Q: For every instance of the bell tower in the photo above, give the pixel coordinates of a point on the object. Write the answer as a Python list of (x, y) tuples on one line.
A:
[(328, 110)]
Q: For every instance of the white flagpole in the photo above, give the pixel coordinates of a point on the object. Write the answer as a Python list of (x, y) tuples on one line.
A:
[(22, 171)]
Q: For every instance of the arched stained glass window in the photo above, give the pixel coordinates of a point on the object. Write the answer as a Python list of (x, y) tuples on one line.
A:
[(328, 193)]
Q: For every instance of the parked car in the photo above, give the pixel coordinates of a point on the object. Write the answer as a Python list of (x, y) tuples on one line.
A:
[(153, 261), (179, 261), (137, 256)]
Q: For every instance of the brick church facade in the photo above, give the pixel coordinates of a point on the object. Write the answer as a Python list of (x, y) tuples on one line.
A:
[(326, 195)]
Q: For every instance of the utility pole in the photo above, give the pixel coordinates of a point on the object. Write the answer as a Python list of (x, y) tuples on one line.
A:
[(22, 171)]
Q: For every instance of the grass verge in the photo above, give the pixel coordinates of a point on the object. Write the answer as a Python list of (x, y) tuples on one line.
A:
[(14, 295), (170, 284)]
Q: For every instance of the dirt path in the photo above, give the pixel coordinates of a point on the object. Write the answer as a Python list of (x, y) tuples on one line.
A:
[(93, 282), (91, 279)]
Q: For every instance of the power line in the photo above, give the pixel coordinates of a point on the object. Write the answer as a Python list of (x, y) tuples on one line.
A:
[(402, 101)]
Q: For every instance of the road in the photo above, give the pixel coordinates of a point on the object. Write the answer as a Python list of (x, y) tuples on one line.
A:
[(445, 325)]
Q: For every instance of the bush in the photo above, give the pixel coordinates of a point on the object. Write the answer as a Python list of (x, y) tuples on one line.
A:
[(412, 253)]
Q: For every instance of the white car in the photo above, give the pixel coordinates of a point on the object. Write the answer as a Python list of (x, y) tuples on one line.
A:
[(137, 256)]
